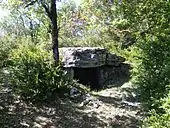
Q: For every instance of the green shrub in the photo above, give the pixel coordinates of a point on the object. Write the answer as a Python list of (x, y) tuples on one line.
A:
[(166, 104), (161, 120), (6, 46), (34, 74), (154, 70), (157, 121)]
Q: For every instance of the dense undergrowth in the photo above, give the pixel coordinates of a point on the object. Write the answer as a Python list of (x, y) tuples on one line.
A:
[(153, 79), (150, 23), (32, 72)]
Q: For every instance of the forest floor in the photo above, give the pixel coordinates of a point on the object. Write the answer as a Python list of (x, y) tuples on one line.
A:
[(114, 107)]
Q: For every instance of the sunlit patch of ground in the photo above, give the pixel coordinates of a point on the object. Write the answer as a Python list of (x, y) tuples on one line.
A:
[(116, 107)]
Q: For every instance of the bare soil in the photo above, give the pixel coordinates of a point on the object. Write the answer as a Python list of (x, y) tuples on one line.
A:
[(115, 107)]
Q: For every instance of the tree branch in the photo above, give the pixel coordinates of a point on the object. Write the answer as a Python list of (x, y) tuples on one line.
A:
[(47, 10), (31, 3)]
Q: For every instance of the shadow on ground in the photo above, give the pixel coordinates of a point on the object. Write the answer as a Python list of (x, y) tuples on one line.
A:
[(110, 112), (61, 113), (126, 114)]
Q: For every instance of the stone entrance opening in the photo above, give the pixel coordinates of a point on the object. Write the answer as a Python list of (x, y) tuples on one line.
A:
[(88, 76)]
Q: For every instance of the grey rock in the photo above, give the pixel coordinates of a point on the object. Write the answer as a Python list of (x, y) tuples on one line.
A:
[(88, 57), (83, 57), (69, 73), (113, 59), (73, 92)]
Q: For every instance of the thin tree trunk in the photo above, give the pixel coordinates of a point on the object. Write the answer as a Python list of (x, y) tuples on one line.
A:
[(54, 33), (55, 45)]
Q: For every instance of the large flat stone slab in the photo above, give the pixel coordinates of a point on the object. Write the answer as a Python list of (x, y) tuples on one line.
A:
[(83, 57), (88, 57)]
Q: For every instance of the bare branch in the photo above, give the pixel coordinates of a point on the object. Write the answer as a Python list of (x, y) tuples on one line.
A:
[(31, 3), (47, 10)]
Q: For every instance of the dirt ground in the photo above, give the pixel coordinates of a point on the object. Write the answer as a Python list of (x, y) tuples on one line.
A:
[(115, 107)]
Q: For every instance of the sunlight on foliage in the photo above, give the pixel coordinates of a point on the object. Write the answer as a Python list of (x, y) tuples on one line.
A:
[(34, 73)]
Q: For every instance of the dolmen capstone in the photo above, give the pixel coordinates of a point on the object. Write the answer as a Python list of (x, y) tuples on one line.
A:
[(93, 66)]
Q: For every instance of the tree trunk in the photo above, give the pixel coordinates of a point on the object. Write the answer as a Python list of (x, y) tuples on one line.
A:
[(55, 45), (52, 15), (54, 32)]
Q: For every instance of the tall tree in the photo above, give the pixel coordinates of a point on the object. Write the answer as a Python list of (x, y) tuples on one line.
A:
[(49, 7), (51, 12), (52, 15)]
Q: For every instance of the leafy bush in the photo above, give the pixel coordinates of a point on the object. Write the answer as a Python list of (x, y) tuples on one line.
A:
[(34, 75), (154, 71), (166, 104), (159, 120), (7, 44), (154, 78)]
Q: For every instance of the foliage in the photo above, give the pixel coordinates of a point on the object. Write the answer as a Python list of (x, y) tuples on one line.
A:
[(150, 23), (94, 23), (159, 120), (34, 74), (49, 11), (154, 73), (66, 18), (7, 44), (25, 22)]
